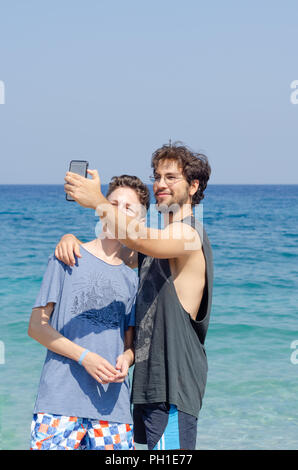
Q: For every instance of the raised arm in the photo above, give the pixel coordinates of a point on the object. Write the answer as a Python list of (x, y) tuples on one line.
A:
[(175, 240)]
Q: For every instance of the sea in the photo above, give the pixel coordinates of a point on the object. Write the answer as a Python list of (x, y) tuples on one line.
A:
[(251, 398)]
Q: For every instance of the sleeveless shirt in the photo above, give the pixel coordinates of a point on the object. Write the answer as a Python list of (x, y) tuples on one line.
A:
[(170, 357)]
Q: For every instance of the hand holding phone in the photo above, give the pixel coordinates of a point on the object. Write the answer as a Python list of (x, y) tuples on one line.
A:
[(80, 167)]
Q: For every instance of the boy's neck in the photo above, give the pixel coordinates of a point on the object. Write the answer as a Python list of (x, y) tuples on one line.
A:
[(106, 248)]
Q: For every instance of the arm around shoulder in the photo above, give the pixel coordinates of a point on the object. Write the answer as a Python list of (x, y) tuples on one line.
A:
[(67, 248)]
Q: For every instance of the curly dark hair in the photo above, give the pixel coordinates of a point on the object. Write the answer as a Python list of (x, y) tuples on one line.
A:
[(133, 182), (195, 166)]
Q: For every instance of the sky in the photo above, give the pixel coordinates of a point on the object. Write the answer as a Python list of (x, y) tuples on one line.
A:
[(110, 81)]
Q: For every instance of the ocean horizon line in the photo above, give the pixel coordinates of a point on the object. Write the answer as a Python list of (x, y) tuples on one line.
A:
[(150, 184)]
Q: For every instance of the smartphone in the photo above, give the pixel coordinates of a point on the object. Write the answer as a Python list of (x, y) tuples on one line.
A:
[(80, 167)]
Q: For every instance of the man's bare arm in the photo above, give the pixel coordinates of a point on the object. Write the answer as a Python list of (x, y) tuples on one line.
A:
[(175, 240), (67, 248)]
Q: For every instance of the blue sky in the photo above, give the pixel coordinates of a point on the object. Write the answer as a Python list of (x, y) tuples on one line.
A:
[(111, 81)]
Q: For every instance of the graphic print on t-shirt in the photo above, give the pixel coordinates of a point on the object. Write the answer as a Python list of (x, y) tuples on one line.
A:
[(90, 297), (86, 297)]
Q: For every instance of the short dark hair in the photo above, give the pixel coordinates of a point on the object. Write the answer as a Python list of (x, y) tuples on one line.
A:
[(133, 182), (195, 166)]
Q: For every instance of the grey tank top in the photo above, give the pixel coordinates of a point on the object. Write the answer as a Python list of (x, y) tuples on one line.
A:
[(170, 358)]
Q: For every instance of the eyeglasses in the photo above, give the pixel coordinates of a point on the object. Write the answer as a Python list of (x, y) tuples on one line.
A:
[(168, 179)]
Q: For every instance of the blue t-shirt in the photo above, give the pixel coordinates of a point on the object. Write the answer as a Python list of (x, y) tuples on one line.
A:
[(94, 305)]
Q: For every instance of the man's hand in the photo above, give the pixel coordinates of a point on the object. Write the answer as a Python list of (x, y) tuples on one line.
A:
[(99, 368), (84, 191), (68, 246)]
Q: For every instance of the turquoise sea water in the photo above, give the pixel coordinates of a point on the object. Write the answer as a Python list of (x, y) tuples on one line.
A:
[(251, 395)]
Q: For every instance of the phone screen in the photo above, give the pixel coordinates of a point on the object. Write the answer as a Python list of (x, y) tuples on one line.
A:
[(80, 167)]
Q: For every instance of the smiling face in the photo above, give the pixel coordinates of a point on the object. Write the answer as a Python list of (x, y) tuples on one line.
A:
[(171, 186)]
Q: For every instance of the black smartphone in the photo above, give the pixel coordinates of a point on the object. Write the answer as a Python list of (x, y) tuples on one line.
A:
[(80, 167)]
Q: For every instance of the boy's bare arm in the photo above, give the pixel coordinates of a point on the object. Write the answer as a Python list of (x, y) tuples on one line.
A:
[(40, 330), (126, 360), (128, 345)]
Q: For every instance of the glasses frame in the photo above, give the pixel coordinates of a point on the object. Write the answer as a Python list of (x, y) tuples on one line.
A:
[(175, 179)]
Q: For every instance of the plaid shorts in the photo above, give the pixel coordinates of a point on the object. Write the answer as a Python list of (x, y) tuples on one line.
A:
[(56, 432)]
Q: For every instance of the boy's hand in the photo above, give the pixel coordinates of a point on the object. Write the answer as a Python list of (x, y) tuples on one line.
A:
[(122, 366), (67, 248), (99, 368)]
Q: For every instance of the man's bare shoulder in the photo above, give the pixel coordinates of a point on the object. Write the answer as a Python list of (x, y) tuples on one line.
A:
[(192, 240)]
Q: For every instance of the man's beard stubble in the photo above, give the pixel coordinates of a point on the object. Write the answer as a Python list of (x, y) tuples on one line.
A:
[(174, 205)]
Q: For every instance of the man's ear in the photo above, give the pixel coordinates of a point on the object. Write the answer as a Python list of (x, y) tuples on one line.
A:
[(194, 185)]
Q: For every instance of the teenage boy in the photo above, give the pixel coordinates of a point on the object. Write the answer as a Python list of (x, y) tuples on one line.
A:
[(84, 316)]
